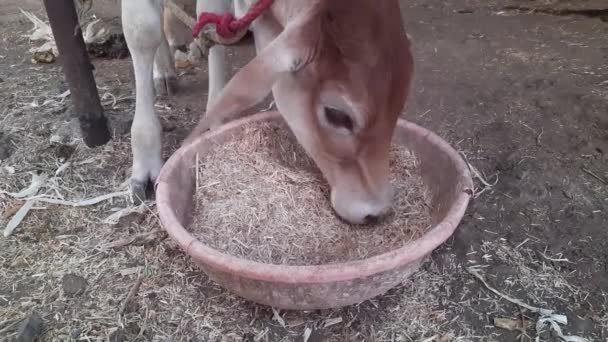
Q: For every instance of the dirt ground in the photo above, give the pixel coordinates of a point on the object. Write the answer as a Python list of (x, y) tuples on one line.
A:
[(520, 87)]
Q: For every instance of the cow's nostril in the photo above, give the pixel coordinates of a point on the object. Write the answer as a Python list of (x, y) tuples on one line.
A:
[(371, 219)]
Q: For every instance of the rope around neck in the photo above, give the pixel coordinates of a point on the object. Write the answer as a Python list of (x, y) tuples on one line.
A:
[(226, 25)]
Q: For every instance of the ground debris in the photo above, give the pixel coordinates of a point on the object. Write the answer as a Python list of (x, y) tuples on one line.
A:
[(511, 324), (42, 31), (31, 328), (104, 39), (137, 239), (75, 333), (73, 285), (132, 293), (12, 208), (546, 316), (117, 335), (6, 146)]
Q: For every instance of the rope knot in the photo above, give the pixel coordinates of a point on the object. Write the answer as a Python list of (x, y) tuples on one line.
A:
[(226, 25), (224, 28), (222, 24)]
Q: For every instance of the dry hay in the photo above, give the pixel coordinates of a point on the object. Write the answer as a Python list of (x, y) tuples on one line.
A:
[(526, 271), (261, 197)]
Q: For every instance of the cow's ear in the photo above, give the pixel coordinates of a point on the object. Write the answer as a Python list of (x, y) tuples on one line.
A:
[(352, 32), (287, 53)]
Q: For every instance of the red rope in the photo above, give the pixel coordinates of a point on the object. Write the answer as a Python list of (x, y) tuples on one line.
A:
[(225, 24)]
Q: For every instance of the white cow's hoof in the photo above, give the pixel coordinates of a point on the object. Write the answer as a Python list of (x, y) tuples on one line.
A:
[(165, 86), (139, 191), (143, 178)]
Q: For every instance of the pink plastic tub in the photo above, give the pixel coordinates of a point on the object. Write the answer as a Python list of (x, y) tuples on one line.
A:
[(323, 286)]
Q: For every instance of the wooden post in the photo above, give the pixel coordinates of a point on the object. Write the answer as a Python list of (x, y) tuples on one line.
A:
[(78, 71)]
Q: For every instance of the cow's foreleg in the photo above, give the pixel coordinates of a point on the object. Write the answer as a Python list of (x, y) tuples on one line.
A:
[(141, 20), (217, 53)]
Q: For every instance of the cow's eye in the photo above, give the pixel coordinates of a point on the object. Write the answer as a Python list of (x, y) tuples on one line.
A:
[(338, 119)]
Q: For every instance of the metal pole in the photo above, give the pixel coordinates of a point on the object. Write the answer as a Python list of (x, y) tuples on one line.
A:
[(78, 71)]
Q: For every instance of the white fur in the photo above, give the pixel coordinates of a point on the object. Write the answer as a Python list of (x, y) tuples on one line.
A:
[(154, 67), (142, 26)]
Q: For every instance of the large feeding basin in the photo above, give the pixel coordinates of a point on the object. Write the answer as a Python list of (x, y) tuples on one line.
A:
[(321, 286)]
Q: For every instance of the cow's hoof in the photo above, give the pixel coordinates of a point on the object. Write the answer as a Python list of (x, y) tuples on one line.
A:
[(139, 190), (165, 86)]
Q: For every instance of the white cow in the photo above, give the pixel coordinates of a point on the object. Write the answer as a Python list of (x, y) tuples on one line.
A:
[(339, 71)]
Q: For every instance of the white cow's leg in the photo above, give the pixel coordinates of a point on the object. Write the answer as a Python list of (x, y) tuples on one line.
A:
[(165, 79), (141, 20), (217, 54)]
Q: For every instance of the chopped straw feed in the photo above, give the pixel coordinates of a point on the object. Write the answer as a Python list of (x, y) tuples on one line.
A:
[(260, 197)]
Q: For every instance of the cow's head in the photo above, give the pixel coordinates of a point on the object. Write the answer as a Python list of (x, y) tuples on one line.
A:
[(341, 73)]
